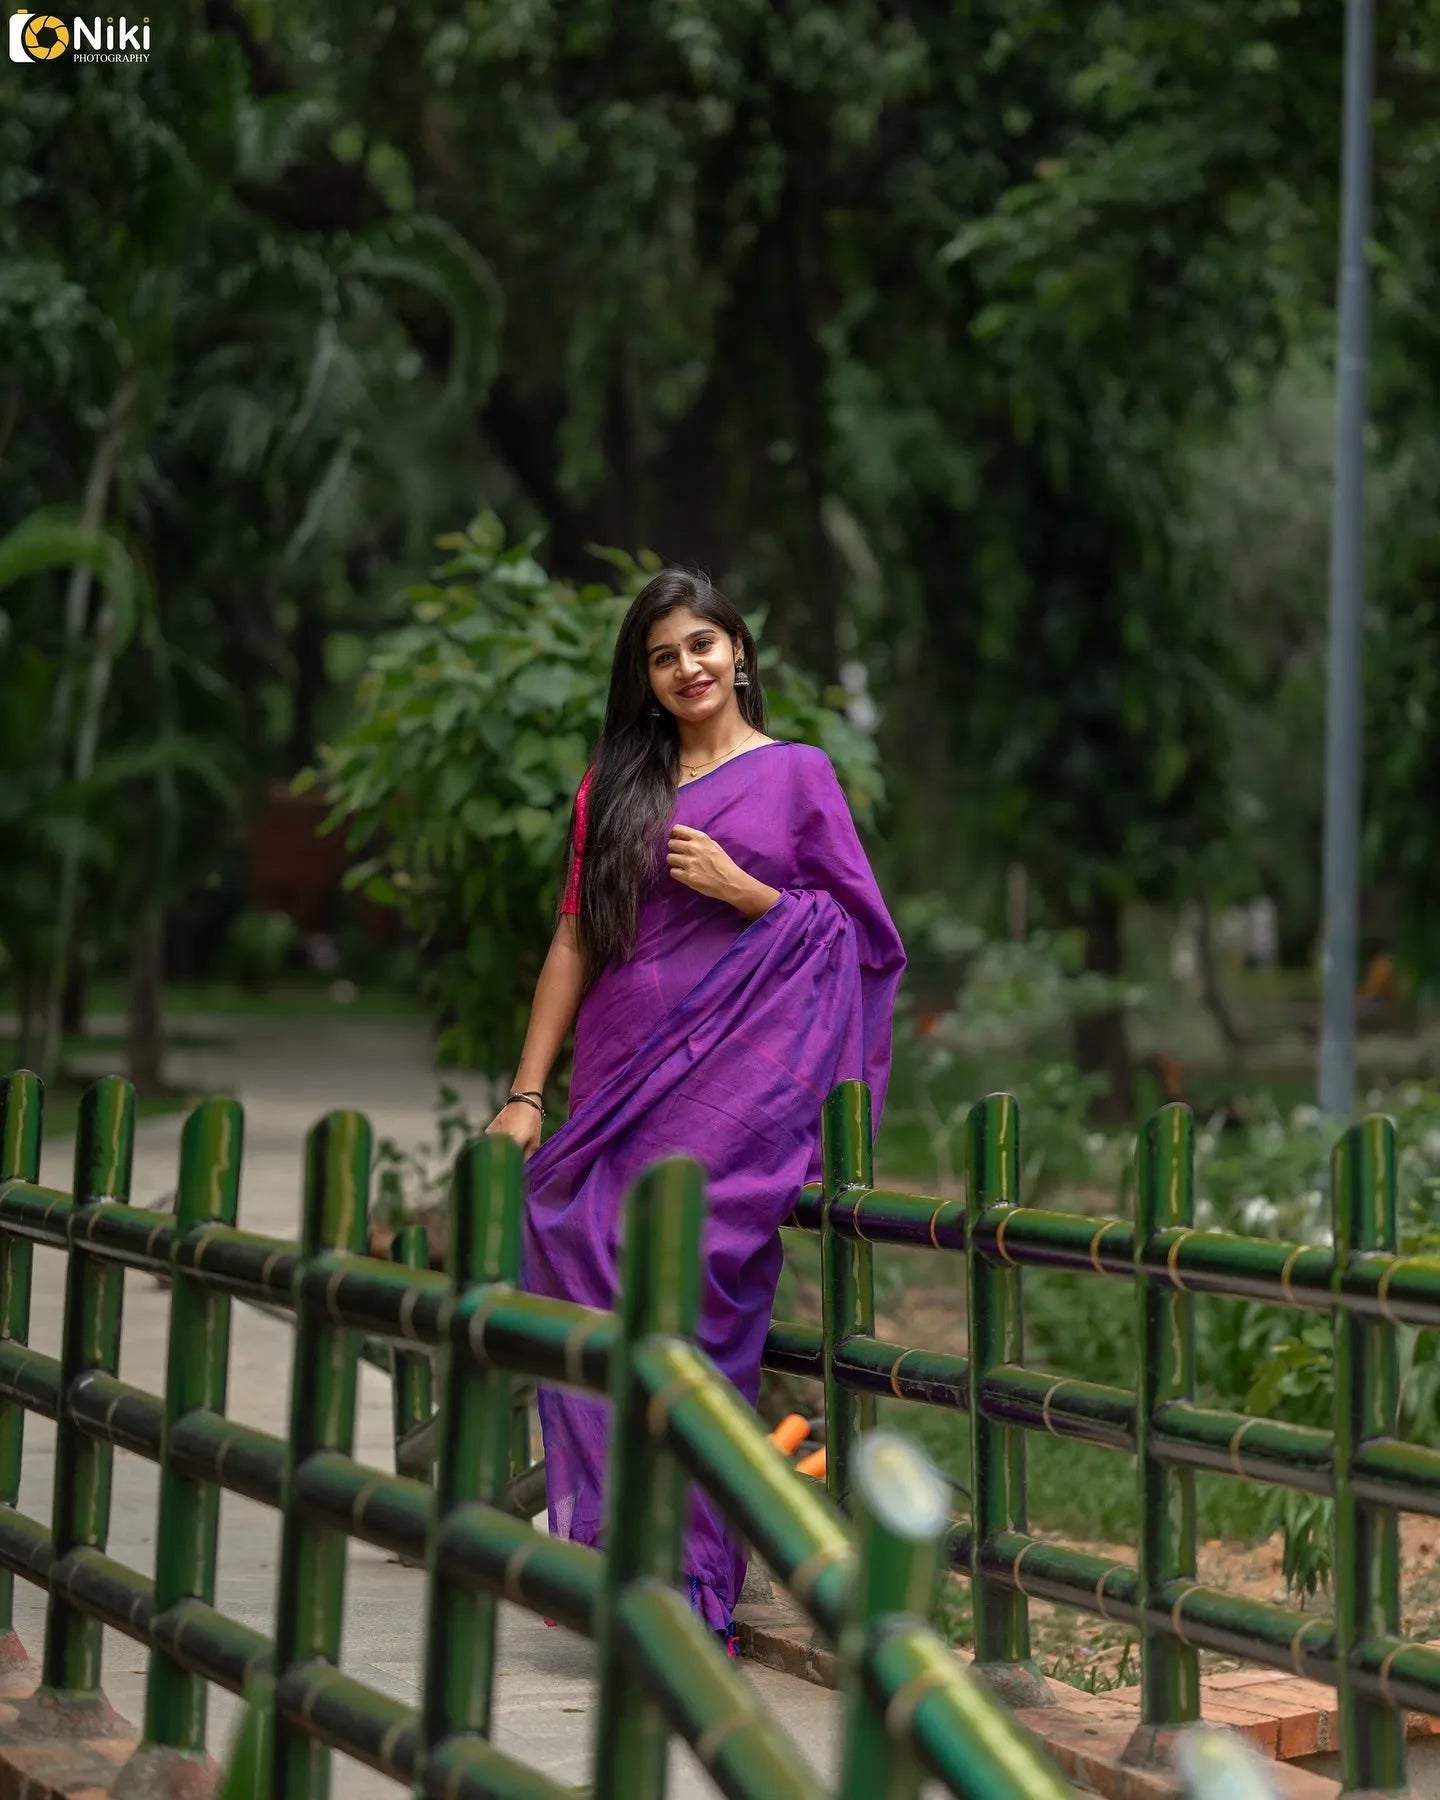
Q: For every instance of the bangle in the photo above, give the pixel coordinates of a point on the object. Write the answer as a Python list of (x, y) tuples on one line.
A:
[(529, 1100)]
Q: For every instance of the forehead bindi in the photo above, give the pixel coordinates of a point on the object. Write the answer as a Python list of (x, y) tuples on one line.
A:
[(677, 628)]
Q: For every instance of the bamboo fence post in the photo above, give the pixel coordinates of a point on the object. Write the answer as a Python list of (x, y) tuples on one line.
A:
[(486, 1200), (847, 1278), (310, 1604), (1165, 1344), (645, 1504), (1367, 1535), (22, 1103), (94, 1288), (901, 1511), (195, 1381), (997, 1451), (410, 1373)]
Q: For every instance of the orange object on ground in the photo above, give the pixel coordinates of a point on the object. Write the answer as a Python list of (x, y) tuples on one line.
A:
[(790, 1433), (813, 1464)]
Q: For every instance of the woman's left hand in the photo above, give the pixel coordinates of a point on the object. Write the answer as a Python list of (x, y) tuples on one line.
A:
[(699, 862)]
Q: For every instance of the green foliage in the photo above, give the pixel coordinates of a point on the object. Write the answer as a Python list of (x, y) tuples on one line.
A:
[(259, 946), (1010, 1004), (1297, 1382), (50, 809), (474, 725), (49, 540), (1263, 1173), (1293, 1371), (234, 398)]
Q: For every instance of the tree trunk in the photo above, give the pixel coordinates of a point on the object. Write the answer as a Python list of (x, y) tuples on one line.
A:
[(307, 648), (72, 1005), (1017, 903), (1214, 993), (145, 1039), (97, 680), (1102, 1040), (26, 989), (625, 484), (805, 359)]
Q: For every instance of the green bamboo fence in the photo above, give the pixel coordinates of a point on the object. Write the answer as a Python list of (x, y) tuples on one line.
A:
[(909, 1709), (1367, 1289)]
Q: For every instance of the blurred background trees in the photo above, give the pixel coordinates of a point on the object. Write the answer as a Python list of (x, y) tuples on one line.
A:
[(985, 349)]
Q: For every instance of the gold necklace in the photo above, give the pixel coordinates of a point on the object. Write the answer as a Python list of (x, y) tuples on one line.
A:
[(695, 768)]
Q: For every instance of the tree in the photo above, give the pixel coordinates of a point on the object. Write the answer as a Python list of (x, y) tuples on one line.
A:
[(184, 339), (904, 320)]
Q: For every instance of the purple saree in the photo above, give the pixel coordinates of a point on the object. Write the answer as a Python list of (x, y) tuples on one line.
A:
[(719, 1040)]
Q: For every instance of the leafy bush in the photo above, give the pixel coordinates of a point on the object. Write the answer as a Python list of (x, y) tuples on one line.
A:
[(413, 1186), (259, 947), (1010, 991), (475, 721), (1274, 1181), (1012, 1002)]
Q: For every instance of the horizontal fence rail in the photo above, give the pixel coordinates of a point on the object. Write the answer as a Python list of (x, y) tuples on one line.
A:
[(1361, 1281), (909, 1709)]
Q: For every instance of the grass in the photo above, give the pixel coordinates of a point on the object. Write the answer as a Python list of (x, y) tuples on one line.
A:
[(64, 1091), (290, 999), (86, 1046), (1079, 1492)]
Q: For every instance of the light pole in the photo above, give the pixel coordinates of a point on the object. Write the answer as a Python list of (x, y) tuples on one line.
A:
[(1344, 710)]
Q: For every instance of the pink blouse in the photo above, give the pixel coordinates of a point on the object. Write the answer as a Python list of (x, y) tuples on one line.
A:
[(571, 902)]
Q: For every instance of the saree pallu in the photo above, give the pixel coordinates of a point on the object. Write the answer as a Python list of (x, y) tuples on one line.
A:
[(719, 1039)]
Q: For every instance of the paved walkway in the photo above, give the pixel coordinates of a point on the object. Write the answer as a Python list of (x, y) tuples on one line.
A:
[(288, 1073)]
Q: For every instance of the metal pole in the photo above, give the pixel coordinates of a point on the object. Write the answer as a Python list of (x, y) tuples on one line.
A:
[(1347, 583)]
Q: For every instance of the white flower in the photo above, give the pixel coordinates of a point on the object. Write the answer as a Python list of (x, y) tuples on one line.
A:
[(1305, 1118), (1258, 1214)]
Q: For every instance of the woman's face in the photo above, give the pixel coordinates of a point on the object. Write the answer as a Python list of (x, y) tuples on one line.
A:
[(692, 665)]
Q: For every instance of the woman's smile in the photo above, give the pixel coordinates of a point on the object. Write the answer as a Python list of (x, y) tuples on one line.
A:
[(695, 690)]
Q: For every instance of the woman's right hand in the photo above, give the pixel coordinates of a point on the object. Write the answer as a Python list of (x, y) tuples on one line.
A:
[(518, 1121)]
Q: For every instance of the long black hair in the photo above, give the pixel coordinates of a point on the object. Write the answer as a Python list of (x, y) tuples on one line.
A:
[(632, 787)]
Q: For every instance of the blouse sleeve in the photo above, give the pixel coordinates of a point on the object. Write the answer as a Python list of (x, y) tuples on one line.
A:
[(571, 903)]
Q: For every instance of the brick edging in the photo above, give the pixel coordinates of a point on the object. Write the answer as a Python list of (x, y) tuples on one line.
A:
[(1282, 1716)]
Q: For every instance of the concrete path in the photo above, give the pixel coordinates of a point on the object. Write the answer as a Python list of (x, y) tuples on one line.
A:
[(288, 1074)]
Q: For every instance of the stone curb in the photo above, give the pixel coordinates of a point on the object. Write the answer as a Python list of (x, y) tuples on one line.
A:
[(1096, 1738)]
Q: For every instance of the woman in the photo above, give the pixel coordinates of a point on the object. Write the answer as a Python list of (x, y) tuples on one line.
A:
[(730, 959)]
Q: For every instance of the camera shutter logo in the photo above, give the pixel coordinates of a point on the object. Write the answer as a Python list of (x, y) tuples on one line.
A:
[(38, 37)]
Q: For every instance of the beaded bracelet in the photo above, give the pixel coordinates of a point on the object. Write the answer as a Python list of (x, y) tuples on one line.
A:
[(529, 1099)]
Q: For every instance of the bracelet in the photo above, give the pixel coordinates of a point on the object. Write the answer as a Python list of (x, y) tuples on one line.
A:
[(529, 1100)]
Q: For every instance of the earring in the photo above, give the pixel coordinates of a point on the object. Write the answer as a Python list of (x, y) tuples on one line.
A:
[(741, 678), (654, 712)]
